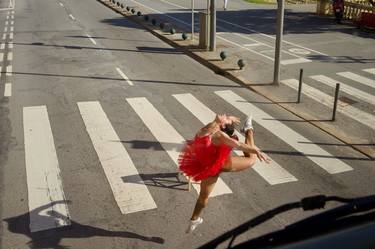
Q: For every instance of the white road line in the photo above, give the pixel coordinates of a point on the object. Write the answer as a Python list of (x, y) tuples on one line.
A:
[(2, 57), (10, 45), (316, 154), (157, 11), (6, 29), (171, 141), (9, 70), (8, 90), (272, 37), (130, 194), (47, 204), (11, 29), (4, 36), (294, 61), (325, 99), (7, 17), (273, 173), (10, 56), (252, 44), (358, 78), (345, 88), (265, 44), (12, 16), (240, 46), (12, 22), (71, 16), (261, 53), (124, 76), (2, 46), (370, 70), (267, 51), (91, 39), (11, 36), (62, 5)]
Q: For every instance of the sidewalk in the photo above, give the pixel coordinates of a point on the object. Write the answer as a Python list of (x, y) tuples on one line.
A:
[(257, 76)]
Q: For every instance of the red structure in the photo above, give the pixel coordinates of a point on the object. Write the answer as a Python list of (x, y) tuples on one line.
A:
[(366, 20)]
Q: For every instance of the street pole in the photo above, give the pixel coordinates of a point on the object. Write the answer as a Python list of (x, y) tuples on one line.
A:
[(212, 26), (192, 19), (279, 38)]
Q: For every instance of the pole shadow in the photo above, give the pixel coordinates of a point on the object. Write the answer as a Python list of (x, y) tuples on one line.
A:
[(160, 180)]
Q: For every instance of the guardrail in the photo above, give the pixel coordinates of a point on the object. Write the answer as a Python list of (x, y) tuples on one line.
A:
[(353, 11)]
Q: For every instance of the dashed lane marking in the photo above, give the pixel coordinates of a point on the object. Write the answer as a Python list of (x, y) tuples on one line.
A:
[(8, 90), (124, 76)]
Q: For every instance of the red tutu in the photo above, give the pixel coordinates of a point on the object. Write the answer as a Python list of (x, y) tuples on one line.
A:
[(200, 158)]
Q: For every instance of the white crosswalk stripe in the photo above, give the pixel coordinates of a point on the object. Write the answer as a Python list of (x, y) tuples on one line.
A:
[(132, 196), (358, 78), (47, 203), (345, 88), (273, 173), (350, 111), (167, 136), (370, 70), (316, 154)]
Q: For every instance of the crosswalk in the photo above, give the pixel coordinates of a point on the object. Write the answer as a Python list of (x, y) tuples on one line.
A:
[(357, 87), (45, 185)]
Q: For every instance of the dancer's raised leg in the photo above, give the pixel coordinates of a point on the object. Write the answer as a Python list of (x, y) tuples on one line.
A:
[(238, 163)]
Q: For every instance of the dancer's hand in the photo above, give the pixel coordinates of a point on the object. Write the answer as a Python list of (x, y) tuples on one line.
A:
[(262, 157)]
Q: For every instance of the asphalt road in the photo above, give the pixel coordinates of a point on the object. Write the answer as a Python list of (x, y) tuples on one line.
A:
[(72, 62)]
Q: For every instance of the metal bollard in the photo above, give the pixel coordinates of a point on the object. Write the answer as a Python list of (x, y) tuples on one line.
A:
[(335, 101), (300, 85)]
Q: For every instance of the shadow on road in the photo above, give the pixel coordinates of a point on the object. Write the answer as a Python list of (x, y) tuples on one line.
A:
[(251, 21), (52, 238), (161, 180)]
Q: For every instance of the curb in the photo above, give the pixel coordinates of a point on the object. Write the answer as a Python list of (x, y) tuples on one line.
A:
[(183, 46)]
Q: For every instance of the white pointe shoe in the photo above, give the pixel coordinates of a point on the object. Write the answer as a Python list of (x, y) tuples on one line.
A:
[(193, 224), (247, 125)]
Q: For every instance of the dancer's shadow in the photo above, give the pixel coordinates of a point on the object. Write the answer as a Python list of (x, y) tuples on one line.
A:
[(51, 238)]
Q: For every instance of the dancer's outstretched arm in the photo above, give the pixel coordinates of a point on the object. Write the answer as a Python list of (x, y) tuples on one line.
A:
[(223, 138)]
